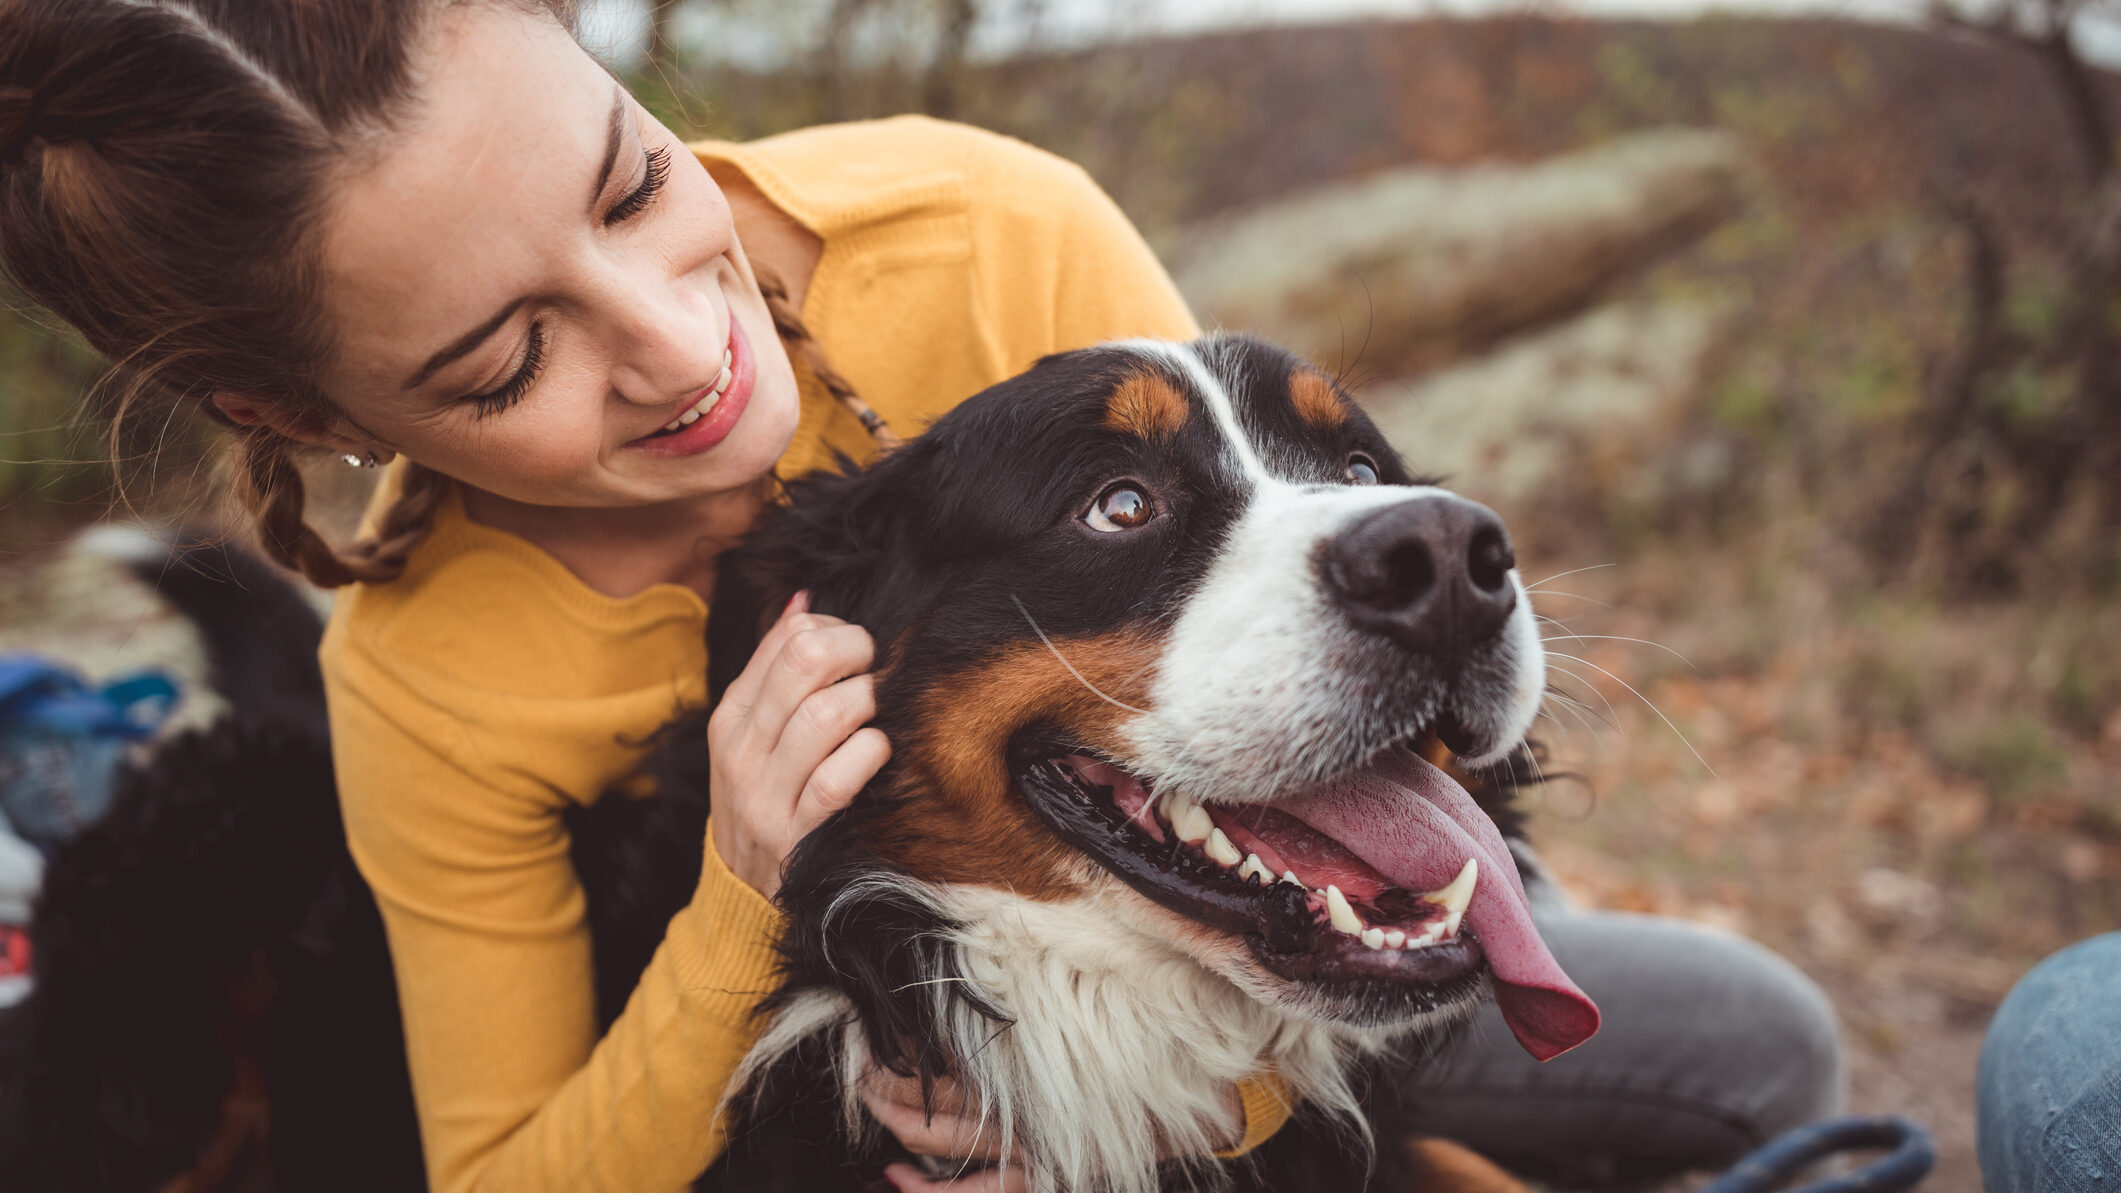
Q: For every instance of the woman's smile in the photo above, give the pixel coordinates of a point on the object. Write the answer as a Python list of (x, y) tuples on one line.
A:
[(711, 413)]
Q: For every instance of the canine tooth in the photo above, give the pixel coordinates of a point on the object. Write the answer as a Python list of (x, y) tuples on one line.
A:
[(1254, 866), (1395, 939), (1289, 876), (1374, 937), (1192, 825), (728, 358), (1220, 849), (722, 382), (1456, 897), (1340, 913)]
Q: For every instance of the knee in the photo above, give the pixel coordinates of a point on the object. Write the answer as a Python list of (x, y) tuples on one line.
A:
[(2049, 1088), (1721, 1004)]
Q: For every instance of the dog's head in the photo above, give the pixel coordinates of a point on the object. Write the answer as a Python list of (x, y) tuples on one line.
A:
[(1175, 616)]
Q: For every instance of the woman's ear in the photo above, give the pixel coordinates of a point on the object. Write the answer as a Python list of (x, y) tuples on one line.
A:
[(246, 411)]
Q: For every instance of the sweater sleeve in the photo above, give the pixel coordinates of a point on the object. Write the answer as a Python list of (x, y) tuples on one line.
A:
[(487, 936)]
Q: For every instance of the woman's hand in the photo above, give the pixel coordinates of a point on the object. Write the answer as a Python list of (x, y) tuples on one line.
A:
[(785, 745), (895, 1102)]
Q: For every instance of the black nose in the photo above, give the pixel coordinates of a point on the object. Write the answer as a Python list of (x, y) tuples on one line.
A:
[(1432, 573)]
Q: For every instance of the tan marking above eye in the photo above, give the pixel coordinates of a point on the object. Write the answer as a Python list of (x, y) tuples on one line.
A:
[(1146, 406), (1316, 401)]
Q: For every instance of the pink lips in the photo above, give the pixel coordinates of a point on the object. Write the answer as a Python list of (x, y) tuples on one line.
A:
[(715, 425)]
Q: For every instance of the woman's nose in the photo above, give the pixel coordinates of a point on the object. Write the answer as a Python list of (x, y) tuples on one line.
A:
[(671, 339)]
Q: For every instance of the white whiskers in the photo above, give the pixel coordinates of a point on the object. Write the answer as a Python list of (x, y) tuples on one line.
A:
[(1094, 690)]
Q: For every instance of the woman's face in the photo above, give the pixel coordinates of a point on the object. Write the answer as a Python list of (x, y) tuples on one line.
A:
[(530, 278)]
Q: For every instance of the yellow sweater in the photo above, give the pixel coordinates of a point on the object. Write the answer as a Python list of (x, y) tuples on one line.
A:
[(485, 690)]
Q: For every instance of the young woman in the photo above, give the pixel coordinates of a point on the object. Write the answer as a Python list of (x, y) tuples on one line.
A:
[(435, 232)]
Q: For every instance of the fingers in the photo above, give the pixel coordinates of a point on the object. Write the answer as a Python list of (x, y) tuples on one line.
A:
[(945, 1134), (908, 1179), (841, 777), (818, 653), (743, 691)]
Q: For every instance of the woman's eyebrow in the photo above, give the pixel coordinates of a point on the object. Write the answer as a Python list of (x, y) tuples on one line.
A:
[(470, 340), (611, 146), (462, 346)]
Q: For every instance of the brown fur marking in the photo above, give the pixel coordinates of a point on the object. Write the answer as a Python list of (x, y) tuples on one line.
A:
[(1147, 407), (1316, 400), (960, 819)]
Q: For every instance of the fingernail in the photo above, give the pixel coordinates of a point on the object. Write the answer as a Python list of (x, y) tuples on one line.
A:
[(798, 603), (892, 1173)]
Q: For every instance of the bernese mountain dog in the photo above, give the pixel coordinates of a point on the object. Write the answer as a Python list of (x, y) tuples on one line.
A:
[(1205, 715)]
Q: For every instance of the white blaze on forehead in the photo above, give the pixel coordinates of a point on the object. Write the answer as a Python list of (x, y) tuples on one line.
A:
[(1208, 388)]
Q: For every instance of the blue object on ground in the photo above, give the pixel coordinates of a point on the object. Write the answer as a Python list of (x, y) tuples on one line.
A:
[(62, 740), (2048, 1099), (1791, 1152)]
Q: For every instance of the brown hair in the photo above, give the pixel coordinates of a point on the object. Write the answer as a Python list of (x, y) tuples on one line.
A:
[(162, 167)]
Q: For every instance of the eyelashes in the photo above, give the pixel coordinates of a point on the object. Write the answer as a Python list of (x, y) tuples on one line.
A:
[(511, 391), (657, 173)]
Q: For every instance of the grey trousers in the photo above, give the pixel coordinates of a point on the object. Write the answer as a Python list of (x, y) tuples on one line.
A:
[(1710, 1045)]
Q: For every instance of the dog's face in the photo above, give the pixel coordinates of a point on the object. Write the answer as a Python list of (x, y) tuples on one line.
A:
[(1163, 626)]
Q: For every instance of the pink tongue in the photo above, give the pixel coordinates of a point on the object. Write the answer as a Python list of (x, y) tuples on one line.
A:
[(1418, 827)]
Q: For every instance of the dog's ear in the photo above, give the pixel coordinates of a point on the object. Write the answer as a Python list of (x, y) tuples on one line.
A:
[(846, 535)]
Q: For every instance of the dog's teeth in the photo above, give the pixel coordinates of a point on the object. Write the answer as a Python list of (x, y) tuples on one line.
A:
[(1395, 939), (1374, 937), (1289, 876), (1191, 823), (1458, 896), (1254, 866), (1429, 935), (1340, 913), (1220, 849)]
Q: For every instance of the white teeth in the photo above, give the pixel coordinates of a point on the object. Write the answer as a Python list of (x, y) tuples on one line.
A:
[(1456, 897), (1254, 866), (728, 359), (1340, 913), (1191, 823), (1429, 935), (1219, 847), (1289, 876), (722, 382), (1374, 937), (1395, 939), (701, 407)]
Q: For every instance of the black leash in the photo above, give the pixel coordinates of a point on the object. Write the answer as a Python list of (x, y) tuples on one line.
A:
[(1913, 1152)]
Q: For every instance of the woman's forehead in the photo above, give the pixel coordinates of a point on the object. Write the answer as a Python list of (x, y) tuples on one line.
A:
[(452, 215)]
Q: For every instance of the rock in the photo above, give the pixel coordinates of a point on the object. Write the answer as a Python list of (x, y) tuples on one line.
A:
[(1420, 266), (1581, 396)]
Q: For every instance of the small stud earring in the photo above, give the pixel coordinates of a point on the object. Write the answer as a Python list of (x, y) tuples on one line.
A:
[(354, 461)]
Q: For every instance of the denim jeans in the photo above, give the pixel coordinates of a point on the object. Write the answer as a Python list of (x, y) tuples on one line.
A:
[(2049, 1093), (1710, 1045)]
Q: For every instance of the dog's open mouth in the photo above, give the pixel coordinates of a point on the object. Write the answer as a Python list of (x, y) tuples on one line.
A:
[(1390, 874)]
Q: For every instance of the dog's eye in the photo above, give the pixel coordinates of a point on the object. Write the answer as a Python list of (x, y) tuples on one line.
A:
[(1362, 470), (1121, 507)]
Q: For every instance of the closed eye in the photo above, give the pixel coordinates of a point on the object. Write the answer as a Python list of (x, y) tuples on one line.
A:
[(653, 175)]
